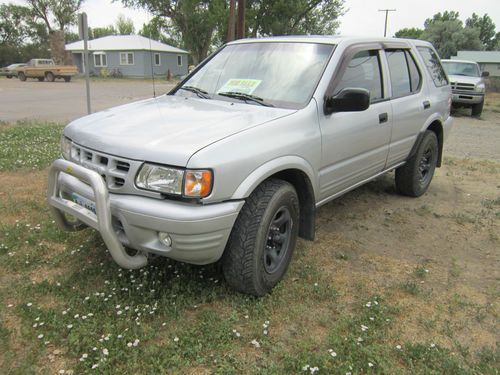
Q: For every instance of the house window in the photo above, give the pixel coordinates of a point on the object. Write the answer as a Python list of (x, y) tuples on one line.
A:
[(126, 58), (179, 60), (157, 59), (100, 60)]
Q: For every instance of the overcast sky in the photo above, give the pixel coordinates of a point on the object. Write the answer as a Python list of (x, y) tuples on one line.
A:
[(362, 16)]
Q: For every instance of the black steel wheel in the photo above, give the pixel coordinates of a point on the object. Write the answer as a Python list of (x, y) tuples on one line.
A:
[(263, 239), (413, 178)]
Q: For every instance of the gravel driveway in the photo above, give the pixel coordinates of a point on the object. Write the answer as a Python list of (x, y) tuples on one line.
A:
[(62, 102)]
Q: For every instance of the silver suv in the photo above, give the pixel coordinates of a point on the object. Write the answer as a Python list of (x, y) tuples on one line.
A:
[(232, 164), (467, 84)]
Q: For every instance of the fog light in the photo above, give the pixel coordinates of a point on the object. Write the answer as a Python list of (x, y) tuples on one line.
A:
[(165, 239)]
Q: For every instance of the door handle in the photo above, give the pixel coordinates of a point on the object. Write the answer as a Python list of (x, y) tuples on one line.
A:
[(427, 104), (382, 117)]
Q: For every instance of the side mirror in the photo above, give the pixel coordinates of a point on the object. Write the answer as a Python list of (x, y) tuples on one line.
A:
[(347, 100), (485, 74)]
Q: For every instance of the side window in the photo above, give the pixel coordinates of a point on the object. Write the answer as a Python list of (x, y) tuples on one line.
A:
[(400, 76), (415, 76), (363, 71), (433, 66)]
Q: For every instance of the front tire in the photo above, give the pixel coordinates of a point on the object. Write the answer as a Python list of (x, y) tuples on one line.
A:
[(413, 178), (263, 239), (477, 109), (67, 78), (21, 76)]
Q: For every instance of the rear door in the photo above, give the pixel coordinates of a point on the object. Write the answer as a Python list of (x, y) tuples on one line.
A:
[(355, 144), (411, 105)]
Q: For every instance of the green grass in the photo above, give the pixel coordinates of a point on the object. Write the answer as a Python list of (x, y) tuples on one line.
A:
[(61, 293), (28, 145)]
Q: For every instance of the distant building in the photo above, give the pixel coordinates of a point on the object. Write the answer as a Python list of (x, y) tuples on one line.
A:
[(131, 55), (488, 60)]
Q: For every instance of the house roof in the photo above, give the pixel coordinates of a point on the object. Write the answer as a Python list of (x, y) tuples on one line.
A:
[(123, 43), (479, 56)]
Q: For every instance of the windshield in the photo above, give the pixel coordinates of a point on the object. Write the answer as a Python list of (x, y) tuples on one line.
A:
[(270, 73), (454, 68)]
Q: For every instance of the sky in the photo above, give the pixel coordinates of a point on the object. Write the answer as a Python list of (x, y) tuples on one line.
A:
[(362, 17)]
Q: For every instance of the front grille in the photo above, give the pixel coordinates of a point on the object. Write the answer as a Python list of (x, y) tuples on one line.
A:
[(115, 171), (462, 86)]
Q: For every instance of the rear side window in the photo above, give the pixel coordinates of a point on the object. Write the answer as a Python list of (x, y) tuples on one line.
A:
[(433, 66), (405, 76), (363, 71), (415, 77)]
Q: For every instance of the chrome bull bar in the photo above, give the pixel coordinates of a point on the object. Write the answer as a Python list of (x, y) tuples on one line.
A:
[(101, 220)]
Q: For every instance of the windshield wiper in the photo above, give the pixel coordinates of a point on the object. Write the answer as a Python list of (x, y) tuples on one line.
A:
[(201, 93), (245, 97)]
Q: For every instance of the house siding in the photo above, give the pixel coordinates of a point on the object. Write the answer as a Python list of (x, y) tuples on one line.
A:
[(141, 66)]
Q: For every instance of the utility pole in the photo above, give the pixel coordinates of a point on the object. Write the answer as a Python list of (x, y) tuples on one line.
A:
[(232, 20), (83, 31), (386, 16)]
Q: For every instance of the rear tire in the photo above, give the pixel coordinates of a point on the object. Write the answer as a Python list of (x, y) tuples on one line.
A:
[(41, 79), (67, 79), (9, 77), (263, 239), (413, 178), (49, 76), (477, 109), (21, 76)]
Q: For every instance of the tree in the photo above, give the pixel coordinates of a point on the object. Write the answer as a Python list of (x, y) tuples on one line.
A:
[(410, 33), (99, 32), (56, 16), (284, 17), (124, 25), (442, 17), (202, 24), (449, 36), (158, 29), (486, 29), (195, 20)]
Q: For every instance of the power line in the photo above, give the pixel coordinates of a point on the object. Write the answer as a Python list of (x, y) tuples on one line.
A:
[(386, 16)]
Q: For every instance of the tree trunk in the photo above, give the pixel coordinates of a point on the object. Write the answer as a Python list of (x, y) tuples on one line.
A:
[(57, 48)]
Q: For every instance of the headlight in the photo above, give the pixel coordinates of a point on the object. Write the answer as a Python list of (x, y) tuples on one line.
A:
[(65, 147), (162, 179), (480, 87), (168, 180)]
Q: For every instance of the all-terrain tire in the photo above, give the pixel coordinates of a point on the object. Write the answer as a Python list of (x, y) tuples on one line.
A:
[(477, 109), (414, 177), (21, 76), (249, 264)]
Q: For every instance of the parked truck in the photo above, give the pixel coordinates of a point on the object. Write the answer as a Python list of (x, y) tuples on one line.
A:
[(46, 69)]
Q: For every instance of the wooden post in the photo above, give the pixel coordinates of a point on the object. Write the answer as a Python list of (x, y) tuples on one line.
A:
[(240, 27), (232, 21)]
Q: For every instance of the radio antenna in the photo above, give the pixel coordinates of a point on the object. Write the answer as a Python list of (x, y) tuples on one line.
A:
[(151, 58)]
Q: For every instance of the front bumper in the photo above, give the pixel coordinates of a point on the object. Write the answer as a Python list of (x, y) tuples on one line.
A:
[(199, 232), (465, 97)]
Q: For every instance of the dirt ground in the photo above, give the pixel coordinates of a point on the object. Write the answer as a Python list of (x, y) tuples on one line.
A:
[(61, 102)]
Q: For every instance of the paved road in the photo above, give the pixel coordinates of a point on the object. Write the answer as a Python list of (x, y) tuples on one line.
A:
[(62, 102)]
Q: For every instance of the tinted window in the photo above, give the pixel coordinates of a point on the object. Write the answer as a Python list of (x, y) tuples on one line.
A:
[(434, 66), (363, 71), (415, 77), (400, 77)]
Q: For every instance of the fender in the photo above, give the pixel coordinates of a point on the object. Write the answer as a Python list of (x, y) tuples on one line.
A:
[(434, 118), (272, 167)]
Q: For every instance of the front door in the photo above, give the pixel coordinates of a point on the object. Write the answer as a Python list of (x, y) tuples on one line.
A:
[(355, 144)]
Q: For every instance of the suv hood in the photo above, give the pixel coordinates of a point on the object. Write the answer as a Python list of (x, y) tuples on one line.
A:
[(167, 129), (465, 79)]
